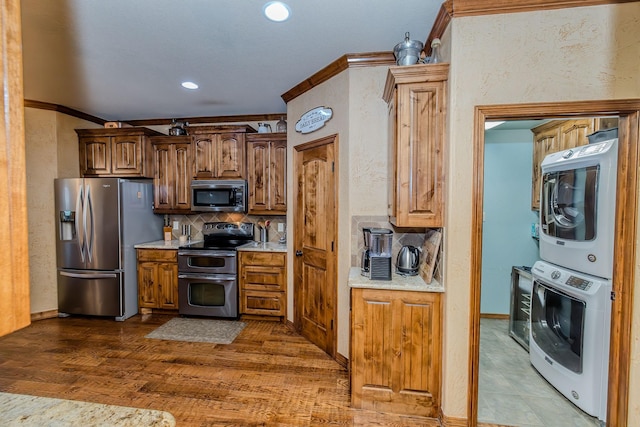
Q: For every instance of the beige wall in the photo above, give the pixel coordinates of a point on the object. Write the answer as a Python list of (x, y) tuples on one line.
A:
[(567, 54), (51, 152), (359, 120)]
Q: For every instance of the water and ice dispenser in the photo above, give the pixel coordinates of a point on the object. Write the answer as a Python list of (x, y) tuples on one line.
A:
[(67, 225)]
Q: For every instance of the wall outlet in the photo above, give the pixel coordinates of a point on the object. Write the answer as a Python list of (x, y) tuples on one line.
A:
[(281, 227), (176, 225)]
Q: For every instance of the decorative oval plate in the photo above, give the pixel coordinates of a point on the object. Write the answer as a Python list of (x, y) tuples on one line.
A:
[(313, 119)]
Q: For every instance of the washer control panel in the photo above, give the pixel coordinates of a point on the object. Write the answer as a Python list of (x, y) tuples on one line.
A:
[(579, 283)]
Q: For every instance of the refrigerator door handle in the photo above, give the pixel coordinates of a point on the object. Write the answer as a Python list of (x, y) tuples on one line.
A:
[(89, 230), (89, 275), (79, 213)]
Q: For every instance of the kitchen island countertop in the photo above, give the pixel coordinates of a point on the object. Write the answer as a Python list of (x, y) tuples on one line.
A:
[(397, 282)]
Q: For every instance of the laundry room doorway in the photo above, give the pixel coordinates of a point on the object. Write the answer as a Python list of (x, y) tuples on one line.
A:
[(628, 112)]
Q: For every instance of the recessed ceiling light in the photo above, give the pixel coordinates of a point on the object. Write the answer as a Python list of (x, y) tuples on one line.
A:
[(189, 85), (277, 11)]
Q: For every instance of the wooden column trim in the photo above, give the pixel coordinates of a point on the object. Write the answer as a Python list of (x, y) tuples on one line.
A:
[(14, 240)]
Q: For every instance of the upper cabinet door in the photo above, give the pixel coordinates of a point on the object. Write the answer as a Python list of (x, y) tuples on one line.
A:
[(126, 154), (173, 169), (230, 155), (219, 151), (278, 177), (95, 155), (204, 156), (417, 98), (267, 173), (120, 152)]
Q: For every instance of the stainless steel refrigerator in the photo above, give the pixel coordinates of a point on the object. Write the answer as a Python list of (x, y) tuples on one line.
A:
[(99, 220)]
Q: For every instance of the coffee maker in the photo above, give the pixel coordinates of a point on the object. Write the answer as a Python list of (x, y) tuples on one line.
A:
[(376, 256)]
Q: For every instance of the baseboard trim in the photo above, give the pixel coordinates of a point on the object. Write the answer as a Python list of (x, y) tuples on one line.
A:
[(446, 421), (49, 314), (494, 316), (342, 360)]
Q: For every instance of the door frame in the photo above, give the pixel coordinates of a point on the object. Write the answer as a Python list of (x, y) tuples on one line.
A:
[(330, 139), (628, 110)]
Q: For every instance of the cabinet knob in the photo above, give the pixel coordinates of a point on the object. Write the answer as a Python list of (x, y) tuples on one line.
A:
[(298, 253)]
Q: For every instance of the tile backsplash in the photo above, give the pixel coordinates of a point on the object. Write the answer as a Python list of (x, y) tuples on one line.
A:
[(401, 237), (197, 221)]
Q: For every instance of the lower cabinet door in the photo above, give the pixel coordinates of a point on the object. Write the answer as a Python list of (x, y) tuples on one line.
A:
[(263, 303), (396, 351)]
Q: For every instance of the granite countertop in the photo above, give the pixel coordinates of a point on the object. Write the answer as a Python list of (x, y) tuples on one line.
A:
[(159, 244), (397, 282), (263, 247), (253, 246)]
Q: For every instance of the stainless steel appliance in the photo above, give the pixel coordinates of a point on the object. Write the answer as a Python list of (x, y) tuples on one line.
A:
[(408, 261), (376, 258), (520, 306), (208, 272), (219, 195), (99, 220)]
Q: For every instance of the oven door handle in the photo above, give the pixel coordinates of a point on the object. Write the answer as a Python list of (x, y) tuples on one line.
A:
[(221, 277)]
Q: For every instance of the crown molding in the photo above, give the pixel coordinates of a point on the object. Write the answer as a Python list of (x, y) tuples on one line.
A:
[(210, 119), (349, 60), (29, 103), (492, 7)]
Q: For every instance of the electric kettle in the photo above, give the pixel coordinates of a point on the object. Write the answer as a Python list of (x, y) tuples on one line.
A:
[(408, 261)]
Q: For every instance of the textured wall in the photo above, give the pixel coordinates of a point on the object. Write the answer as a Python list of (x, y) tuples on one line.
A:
[(360, 121), (51, 152), (567, 54)]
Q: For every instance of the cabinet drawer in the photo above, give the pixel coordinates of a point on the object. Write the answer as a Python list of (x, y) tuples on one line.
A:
[(157, 255), (263, 278), (271, 259), (262, 303)]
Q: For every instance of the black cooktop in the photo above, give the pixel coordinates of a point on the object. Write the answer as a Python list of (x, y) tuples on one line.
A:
[(223, 236)]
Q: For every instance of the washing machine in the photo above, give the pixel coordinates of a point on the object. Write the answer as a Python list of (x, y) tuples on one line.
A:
[(569, 334)]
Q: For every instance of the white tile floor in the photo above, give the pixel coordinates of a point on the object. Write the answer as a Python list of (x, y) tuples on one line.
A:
[(511, 392)]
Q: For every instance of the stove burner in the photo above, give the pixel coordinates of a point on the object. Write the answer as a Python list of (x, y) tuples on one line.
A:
[(223, 236)]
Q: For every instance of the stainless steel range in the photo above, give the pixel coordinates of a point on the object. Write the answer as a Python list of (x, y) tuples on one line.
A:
[(208, 270)]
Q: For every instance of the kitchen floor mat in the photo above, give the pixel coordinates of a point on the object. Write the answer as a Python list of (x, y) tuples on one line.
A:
[(198, 330)]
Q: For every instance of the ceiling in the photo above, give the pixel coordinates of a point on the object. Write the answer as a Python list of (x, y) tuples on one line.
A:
[(125, 59)]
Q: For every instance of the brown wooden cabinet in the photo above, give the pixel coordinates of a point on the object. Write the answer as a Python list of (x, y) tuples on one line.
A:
[(267, 173), (556, 135), (173, 169), (120, 152), (396, 351), (416, 97), (219, 151), (158, 278), (263, 283)]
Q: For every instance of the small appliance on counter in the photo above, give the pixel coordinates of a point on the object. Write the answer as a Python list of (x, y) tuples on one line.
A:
[(376, 257), (408, 261)]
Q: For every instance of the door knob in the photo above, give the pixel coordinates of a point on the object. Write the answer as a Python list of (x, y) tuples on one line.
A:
[(298, 253)]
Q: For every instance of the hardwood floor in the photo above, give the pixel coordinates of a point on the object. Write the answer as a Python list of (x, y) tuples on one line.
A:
[(269, 376)]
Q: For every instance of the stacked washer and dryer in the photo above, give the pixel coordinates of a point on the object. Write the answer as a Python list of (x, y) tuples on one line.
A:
[(571, 297)]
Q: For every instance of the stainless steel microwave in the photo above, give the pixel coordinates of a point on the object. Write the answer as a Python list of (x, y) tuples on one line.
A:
[(219, 195)]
